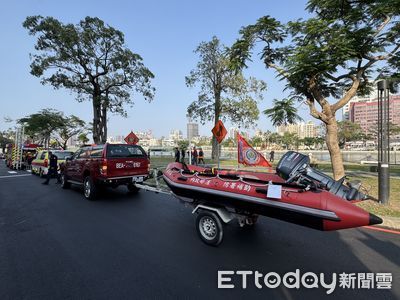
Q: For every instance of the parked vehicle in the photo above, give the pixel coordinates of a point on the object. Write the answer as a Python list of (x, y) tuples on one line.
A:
[(106, 165), (16, 158), (41, 162)]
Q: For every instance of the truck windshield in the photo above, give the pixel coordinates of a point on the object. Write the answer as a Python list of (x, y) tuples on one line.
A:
[(125, 151), (63, 155)]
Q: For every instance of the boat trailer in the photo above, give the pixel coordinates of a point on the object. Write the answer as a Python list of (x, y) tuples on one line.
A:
[(210, 219)]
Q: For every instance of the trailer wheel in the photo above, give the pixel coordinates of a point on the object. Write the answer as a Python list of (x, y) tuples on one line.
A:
[(209, 227)]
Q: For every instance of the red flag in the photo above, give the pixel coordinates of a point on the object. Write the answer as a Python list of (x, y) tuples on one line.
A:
[(248, 156)]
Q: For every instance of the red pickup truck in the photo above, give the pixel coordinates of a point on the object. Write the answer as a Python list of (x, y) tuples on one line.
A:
[(108, 164)]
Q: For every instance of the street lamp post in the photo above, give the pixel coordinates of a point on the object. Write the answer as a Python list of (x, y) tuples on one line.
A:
[(383, 141)]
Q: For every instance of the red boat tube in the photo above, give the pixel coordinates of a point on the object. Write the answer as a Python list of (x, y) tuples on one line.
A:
[(246, 192)]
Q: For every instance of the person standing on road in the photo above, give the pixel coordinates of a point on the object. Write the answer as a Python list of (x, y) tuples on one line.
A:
[(201, 156), (177, 155), (194, 156), (29, 159), (271, 156), (53, 166), (183, 155)]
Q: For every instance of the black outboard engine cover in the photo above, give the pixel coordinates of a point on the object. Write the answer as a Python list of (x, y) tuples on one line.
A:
[(295, 166)]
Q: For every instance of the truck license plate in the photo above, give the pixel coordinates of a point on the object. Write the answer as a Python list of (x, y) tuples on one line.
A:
[(137, 179)]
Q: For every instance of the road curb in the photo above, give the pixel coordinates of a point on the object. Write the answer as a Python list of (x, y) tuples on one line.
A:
[(391, 223)]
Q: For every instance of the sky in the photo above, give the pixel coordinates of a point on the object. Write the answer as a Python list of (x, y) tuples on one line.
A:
[(164, 33)]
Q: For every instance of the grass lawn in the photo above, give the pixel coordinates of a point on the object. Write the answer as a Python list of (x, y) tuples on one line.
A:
[(369, 181), (393, 209)]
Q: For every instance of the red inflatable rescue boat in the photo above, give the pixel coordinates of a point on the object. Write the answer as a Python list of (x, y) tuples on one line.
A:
[(296, 193)]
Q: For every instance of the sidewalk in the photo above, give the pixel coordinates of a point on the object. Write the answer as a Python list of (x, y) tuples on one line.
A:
[(390, 223)]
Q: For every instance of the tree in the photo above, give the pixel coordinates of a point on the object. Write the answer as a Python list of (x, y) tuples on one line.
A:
[(290, 139), (256, 141), (92, 60), (309, 141), (273, 138), (49, 123), (224, 94), (331, 55), (83, 139), (349, 131), (4, 140), (319, 141), (72, 126), (228, 142), (41, 125), (183, 144), (283, 112), (373, 130)]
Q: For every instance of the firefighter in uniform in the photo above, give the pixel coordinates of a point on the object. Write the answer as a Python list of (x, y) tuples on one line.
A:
[(53, 166)]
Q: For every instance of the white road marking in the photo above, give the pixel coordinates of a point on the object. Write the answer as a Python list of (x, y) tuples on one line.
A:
[(12, 172), (29, 171), (10, 176)]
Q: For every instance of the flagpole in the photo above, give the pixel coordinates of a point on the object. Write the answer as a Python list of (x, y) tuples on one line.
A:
[(219, 149), (237, 150), (219, 132)]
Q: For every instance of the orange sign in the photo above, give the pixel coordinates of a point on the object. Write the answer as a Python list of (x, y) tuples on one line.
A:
[(219, 131), (131, 139)]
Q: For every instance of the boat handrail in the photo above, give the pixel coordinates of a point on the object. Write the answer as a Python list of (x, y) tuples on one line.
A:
[(241, 179)]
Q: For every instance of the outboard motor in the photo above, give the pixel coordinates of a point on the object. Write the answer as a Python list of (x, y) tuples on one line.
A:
[(295, 167)]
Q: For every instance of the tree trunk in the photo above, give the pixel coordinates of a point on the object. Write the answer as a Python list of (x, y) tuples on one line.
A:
[(97, 129), (333, 146), (103, 122), (215, 148), (217, 111)]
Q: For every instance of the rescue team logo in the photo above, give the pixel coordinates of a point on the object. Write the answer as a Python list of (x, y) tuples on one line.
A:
[(251, 156), (248, 156)]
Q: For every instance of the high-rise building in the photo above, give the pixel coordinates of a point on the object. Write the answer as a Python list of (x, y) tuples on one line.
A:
[(232, 132), (258, 133), (116, 139), (192, 130), (366, 113), (302, 129), (310, 130), (72, 141), (373, 96), (176, 135)]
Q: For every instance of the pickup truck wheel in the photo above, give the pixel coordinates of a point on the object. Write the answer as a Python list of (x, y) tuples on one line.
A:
[(64, 181), (89, 188), (209, 227), (133, 188)]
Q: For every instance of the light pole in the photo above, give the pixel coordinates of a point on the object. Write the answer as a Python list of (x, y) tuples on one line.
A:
[(383, 141)]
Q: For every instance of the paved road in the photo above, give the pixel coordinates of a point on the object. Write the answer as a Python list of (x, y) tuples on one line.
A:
[(55, 244)]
